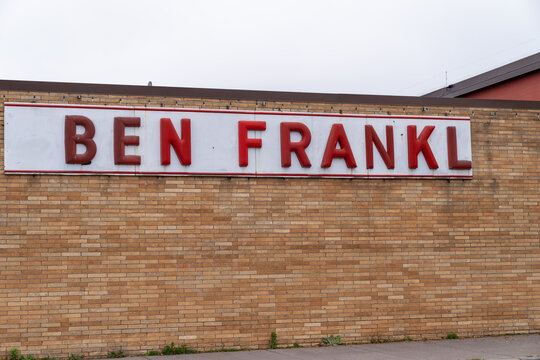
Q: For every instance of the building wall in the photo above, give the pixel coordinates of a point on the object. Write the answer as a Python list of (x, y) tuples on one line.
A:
[(526, 87), (91, 264)]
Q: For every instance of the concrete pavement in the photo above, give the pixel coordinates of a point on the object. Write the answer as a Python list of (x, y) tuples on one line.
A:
[(488, 348)]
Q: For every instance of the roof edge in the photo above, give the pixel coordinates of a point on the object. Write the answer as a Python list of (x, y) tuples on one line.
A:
[(498, 75), (258, 95)]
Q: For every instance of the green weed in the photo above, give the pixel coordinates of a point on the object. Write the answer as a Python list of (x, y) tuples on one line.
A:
[(116, 354), (273, 340), (173, 350), (332, 340)]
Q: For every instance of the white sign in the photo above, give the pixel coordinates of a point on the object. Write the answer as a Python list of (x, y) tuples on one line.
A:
[(84, 139)]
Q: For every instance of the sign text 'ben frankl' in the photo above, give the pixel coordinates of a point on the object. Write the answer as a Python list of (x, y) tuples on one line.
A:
[(84, 139)]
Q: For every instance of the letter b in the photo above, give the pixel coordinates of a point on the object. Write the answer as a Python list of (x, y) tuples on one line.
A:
[(71, 139)]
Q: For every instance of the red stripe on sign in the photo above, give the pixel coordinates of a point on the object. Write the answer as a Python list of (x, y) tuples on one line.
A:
[(246, 112), (232, 174)]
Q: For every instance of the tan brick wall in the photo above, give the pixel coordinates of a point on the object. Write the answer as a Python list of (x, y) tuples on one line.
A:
[(90, 264)]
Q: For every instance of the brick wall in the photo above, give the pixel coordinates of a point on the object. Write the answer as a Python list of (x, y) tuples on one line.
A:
[(90, 264)]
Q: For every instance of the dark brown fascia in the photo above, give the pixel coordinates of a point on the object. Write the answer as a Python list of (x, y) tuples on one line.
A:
[(489, 78), (257, 95)]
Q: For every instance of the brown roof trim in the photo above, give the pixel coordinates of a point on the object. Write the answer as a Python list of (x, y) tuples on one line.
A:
[(256, 95), (492, 77)]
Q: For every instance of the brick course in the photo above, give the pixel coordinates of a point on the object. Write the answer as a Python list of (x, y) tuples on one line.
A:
[(91, 264)]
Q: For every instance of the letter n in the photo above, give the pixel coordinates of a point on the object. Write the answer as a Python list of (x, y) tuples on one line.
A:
[(373, 139), (169, 136)]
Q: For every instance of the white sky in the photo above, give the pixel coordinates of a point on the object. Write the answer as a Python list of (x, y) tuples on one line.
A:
[(358, 47)]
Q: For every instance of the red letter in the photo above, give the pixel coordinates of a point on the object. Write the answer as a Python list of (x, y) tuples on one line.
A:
[(71, 139), (121, 140), (244, 143), (416, 145), (372, 138), (337, 134), (298, 147), (169, 137), (453, 162)]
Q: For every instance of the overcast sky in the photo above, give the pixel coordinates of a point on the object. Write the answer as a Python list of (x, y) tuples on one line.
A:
[(358, 47)]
